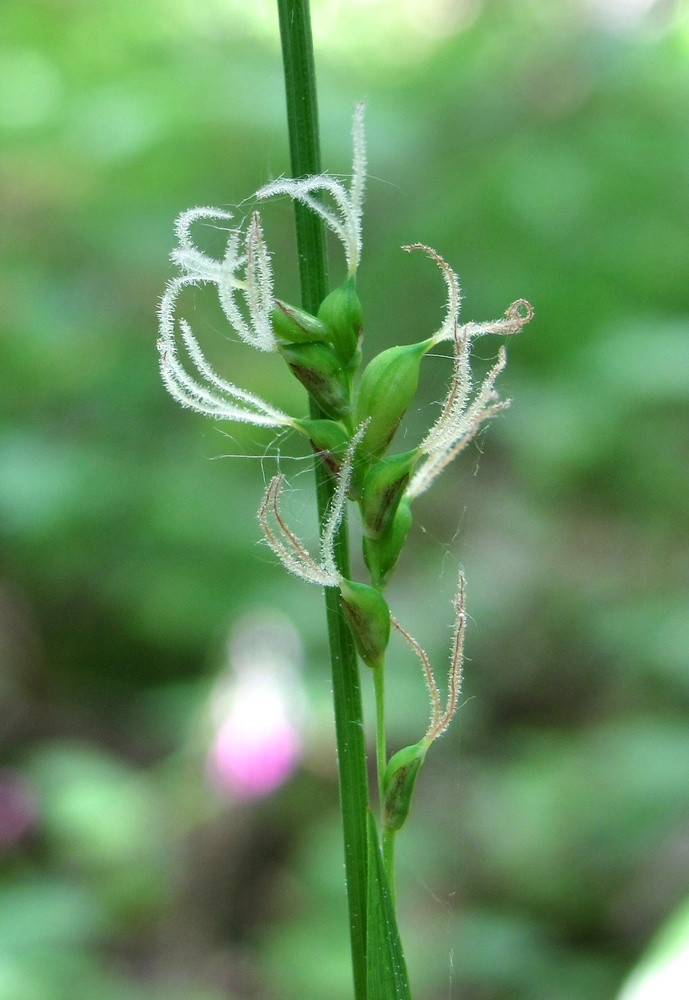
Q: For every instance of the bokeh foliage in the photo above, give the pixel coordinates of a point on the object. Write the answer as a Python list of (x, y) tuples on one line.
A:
[(542, 149)]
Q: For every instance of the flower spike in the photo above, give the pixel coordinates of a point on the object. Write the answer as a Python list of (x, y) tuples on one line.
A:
[(345, 219)]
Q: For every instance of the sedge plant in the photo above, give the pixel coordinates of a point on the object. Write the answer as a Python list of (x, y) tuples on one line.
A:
[(354, 412)]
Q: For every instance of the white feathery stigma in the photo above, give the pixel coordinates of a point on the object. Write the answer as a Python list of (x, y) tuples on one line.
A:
[(454, 297), (440, 719), (344, 218), (204, 390), (461, 415), (291, 552)]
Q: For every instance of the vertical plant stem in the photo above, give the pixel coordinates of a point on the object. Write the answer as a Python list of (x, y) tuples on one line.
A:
[(379, 684), (304, 144), (389, 859), (302, 117)]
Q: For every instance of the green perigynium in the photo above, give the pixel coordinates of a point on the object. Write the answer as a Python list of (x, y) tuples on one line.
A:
[(381, 492), (386, 389), (369, 620), (294, 326), (360, 416), (340, 313), (321, 373)]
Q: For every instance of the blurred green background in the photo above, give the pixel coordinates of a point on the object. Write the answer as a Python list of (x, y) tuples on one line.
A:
[(543, 148)]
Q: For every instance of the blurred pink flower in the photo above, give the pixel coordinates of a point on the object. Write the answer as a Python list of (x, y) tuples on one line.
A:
[(257, 710), (17, 808)]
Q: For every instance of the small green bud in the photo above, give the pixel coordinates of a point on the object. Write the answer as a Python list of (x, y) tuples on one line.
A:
[(387, 387), (294, 326), (340, 311), (381, 554), (398, 783), (383, 488), (368, 616), (321, 374)]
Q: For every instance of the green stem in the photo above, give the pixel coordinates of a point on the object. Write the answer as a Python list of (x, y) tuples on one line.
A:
[(304, 144), (302, 117), (389, 859), (381, 755)]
